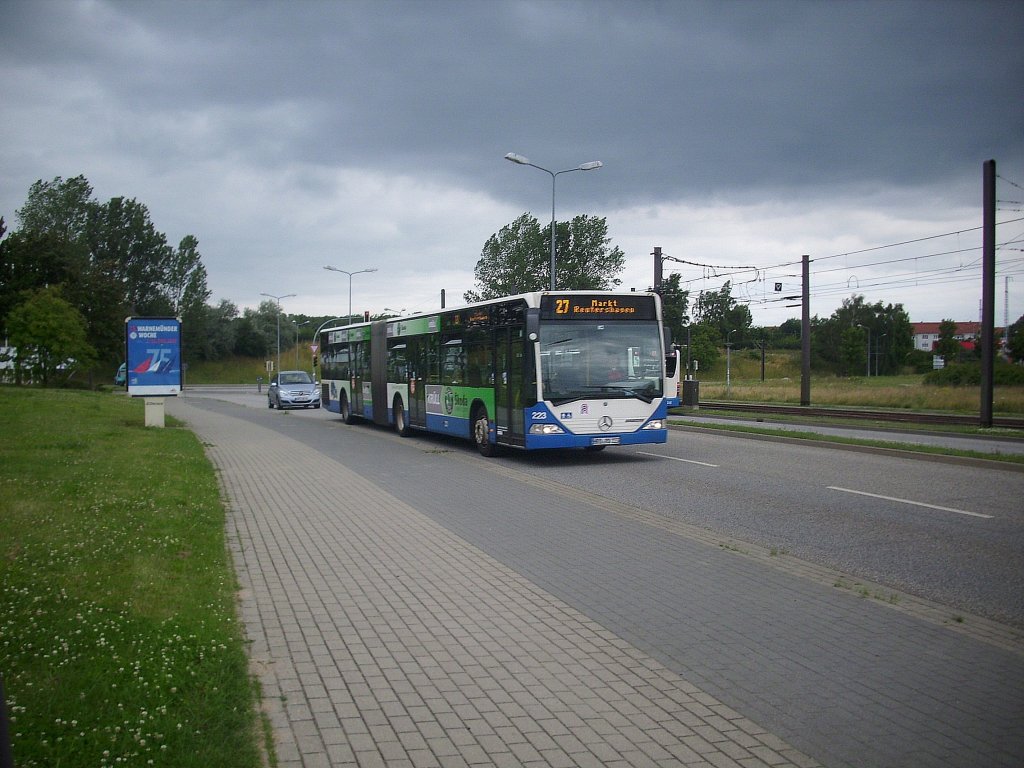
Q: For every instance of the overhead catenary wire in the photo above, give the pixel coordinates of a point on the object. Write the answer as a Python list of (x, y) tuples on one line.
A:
[(716, 276)]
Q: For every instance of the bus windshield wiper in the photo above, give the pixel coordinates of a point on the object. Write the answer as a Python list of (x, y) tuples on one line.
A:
[(623, 392)]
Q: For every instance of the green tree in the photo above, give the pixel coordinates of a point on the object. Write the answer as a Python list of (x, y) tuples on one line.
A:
[(853, 351), (585, 260), (947, 345), (675, 305), (59, 208), (887, 327), (1015, 339), (220, 338), (185, 288), (109, 259), (517, 258), (705, 342), (50, 336), (122, 239), (33, 260), (722, 312), (256, 330), (185, 278), (512, 261)]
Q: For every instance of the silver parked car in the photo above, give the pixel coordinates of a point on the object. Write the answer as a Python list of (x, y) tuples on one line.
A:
[(292, 389)]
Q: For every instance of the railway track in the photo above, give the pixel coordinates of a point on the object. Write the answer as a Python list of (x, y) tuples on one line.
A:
[(899, 417)]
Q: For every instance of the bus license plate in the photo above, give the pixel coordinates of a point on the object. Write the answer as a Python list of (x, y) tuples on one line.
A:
[(605, 441)]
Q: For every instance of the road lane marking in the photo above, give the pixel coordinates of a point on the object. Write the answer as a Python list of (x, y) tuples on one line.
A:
[(673, 458), (908, 501)]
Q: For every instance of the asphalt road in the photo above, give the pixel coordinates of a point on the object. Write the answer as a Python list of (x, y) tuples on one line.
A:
[(945, 532), (702, 553), (998, 441)]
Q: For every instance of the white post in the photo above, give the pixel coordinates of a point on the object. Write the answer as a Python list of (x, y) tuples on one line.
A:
[(154, 411)]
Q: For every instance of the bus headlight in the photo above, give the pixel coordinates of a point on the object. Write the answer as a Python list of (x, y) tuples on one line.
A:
[(655, 424), (546, 429)]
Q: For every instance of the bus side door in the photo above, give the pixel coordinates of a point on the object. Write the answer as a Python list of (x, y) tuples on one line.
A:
[(418, 380), (508, 384)]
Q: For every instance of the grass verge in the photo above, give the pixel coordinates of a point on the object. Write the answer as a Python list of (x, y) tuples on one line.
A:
[(119, 642)]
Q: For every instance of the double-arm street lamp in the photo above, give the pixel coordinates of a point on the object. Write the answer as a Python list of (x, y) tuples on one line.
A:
[(520, 160), (346, 272), (278, 300)]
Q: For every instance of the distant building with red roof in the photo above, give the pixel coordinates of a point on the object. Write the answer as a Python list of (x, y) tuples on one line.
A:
[(926, 335)]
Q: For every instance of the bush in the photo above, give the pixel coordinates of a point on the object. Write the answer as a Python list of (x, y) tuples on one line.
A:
[(969, 375), (919, 361)]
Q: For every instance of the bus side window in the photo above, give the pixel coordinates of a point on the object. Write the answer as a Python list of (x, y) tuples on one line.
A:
[(397, 366), (342, 361), (478, 365), (453, 362), (433, 372)]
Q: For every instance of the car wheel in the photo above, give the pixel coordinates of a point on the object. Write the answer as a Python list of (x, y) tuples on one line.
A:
[(481, 430), (270, 403), (401, 419), (346, 410)]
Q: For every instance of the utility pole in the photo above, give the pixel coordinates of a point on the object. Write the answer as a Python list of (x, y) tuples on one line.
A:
[(657, 268), (988, 288), (763, 345), (805, 334)]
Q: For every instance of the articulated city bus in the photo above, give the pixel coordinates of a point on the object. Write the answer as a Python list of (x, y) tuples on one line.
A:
[(570, 369)]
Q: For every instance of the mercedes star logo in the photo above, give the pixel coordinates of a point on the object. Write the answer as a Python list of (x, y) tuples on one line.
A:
[(604, 423)]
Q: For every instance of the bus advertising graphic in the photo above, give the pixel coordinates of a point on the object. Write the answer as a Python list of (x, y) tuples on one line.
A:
[(153, 356)]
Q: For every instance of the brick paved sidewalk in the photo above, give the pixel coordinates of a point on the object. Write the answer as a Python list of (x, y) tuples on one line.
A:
[(382, 639)]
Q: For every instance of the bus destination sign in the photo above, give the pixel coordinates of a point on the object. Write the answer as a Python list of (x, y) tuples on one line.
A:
[(597, 306)]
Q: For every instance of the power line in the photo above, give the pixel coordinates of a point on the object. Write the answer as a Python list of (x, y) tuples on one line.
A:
[(1012, 183)]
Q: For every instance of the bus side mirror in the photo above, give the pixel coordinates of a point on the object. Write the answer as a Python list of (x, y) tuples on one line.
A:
[(532, 323)]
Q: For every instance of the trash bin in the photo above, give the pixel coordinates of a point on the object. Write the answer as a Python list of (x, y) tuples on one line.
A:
[(691, 393)]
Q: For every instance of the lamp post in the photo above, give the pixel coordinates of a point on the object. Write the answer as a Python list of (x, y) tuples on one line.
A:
[(728, 362), (346, 272), (278, 300), (297, 326), (520, 160), (861, 325)]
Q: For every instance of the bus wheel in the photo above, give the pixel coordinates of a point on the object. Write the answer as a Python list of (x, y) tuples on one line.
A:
[(346, 410), (401, 420), (480, 432)]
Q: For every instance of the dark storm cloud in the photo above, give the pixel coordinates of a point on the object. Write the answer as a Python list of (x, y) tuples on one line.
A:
[(680, 100), (376, 130)]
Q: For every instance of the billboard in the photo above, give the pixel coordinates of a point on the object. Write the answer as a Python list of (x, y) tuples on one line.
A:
[(153, 356)]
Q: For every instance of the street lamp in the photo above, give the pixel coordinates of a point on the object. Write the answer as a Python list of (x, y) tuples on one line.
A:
[(520, 160), (346, 272), (860, 325), (278, 300), (728, 361), (297, 326)]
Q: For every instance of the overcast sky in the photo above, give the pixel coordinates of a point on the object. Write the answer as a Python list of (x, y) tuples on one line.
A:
[(290, 135)]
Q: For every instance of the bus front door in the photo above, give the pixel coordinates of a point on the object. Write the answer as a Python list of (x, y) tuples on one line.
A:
[(508, 385)]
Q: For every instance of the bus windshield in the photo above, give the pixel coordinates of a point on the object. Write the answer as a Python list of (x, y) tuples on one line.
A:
[(583, 359)]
